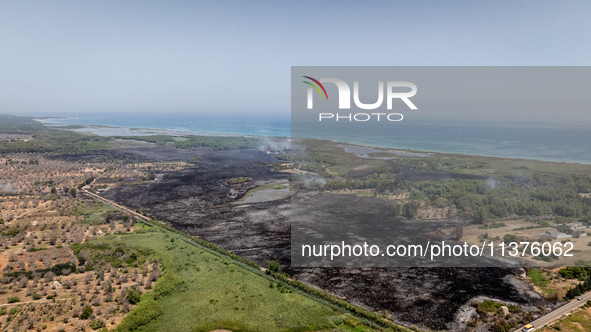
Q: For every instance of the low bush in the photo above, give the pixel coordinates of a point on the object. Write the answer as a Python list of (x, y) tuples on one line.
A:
[(11, 232), (166, 284), (96, 324), (86, 313), (133, 295), (141, 315)]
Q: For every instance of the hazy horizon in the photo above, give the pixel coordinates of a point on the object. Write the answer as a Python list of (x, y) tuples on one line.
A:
[(227, 57)]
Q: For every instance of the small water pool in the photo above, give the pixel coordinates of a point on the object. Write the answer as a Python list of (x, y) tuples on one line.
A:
[(266, 193)]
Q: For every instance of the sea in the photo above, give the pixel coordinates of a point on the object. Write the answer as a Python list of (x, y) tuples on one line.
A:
[(547, 142)]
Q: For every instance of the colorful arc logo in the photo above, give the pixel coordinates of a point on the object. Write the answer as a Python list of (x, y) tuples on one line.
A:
[(315, 87)]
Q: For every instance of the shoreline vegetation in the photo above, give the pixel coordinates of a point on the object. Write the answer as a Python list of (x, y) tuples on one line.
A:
[(94, 129), (163, 136)]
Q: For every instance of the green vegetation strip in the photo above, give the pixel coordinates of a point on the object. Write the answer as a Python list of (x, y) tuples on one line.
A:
[(366, 317), (144, 313)]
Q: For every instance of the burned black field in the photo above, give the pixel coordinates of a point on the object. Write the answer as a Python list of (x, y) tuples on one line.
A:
[(195, 200)]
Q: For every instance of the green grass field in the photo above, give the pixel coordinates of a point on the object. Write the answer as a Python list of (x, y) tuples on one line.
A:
[(214, 293), (537, 278), (93, 213), (579, 321)]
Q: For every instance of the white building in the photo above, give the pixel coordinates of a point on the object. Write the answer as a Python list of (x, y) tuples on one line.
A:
[(576, 225), (557, 234)]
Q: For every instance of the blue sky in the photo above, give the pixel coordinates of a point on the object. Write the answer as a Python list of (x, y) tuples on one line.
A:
[(224, 56)]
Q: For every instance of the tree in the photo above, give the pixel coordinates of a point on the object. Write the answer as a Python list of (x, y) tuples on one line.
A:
[(53, 190), (479, 216), (73, 192), (133, 295), (49, 276), (459, 232), (396, 209), (274, 266), (86, 313), (67, 283), (410, 209)]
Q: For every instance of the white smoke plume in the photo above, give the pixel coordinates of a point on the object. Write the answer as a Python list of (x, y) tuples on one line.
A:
[(491, 183), (311, 181), (276, 144), (6, 187)]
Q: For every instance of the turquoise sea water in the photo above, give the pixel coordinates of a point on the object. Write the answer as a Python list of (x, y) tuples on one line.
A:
[(564, 144)]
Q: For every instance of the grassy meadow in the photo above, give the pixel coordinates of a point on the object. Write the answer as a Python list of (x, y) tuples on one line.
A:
[(207, 291)]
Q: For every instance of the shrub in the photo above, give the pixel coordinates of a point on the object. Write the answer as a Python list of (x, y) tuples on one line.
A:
[(580, 272), (488, 306), (396, 209), (166, 284), (14, 299), (49, 276), (238, 180), (133, 295), (410, 209), (12, 232), (352, 321), (86, 313), (96, 324), (141, 315), (274, 266)]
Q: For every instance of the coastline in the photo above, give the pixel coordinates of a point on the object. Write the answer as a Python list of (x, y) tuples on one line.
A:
[(569, 145), (44, 119), (138, 131), (104, 130)]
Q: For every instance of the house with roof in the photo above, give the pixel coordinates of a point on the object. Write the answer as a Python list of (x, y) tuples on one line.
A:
[(557, 234), (576, 225)]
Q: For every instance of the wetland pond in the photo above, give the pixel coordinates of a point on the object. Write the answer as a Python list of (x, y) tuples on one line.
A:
[(265, 193)]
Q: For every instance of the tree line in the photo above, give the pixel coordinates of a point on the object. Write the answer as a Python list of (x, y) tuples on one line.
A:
[(533, 196), (46, 139)]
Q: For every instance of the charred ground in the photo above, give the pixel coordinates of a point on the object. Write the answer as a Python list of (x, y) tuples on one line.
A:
[(194, 200)]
